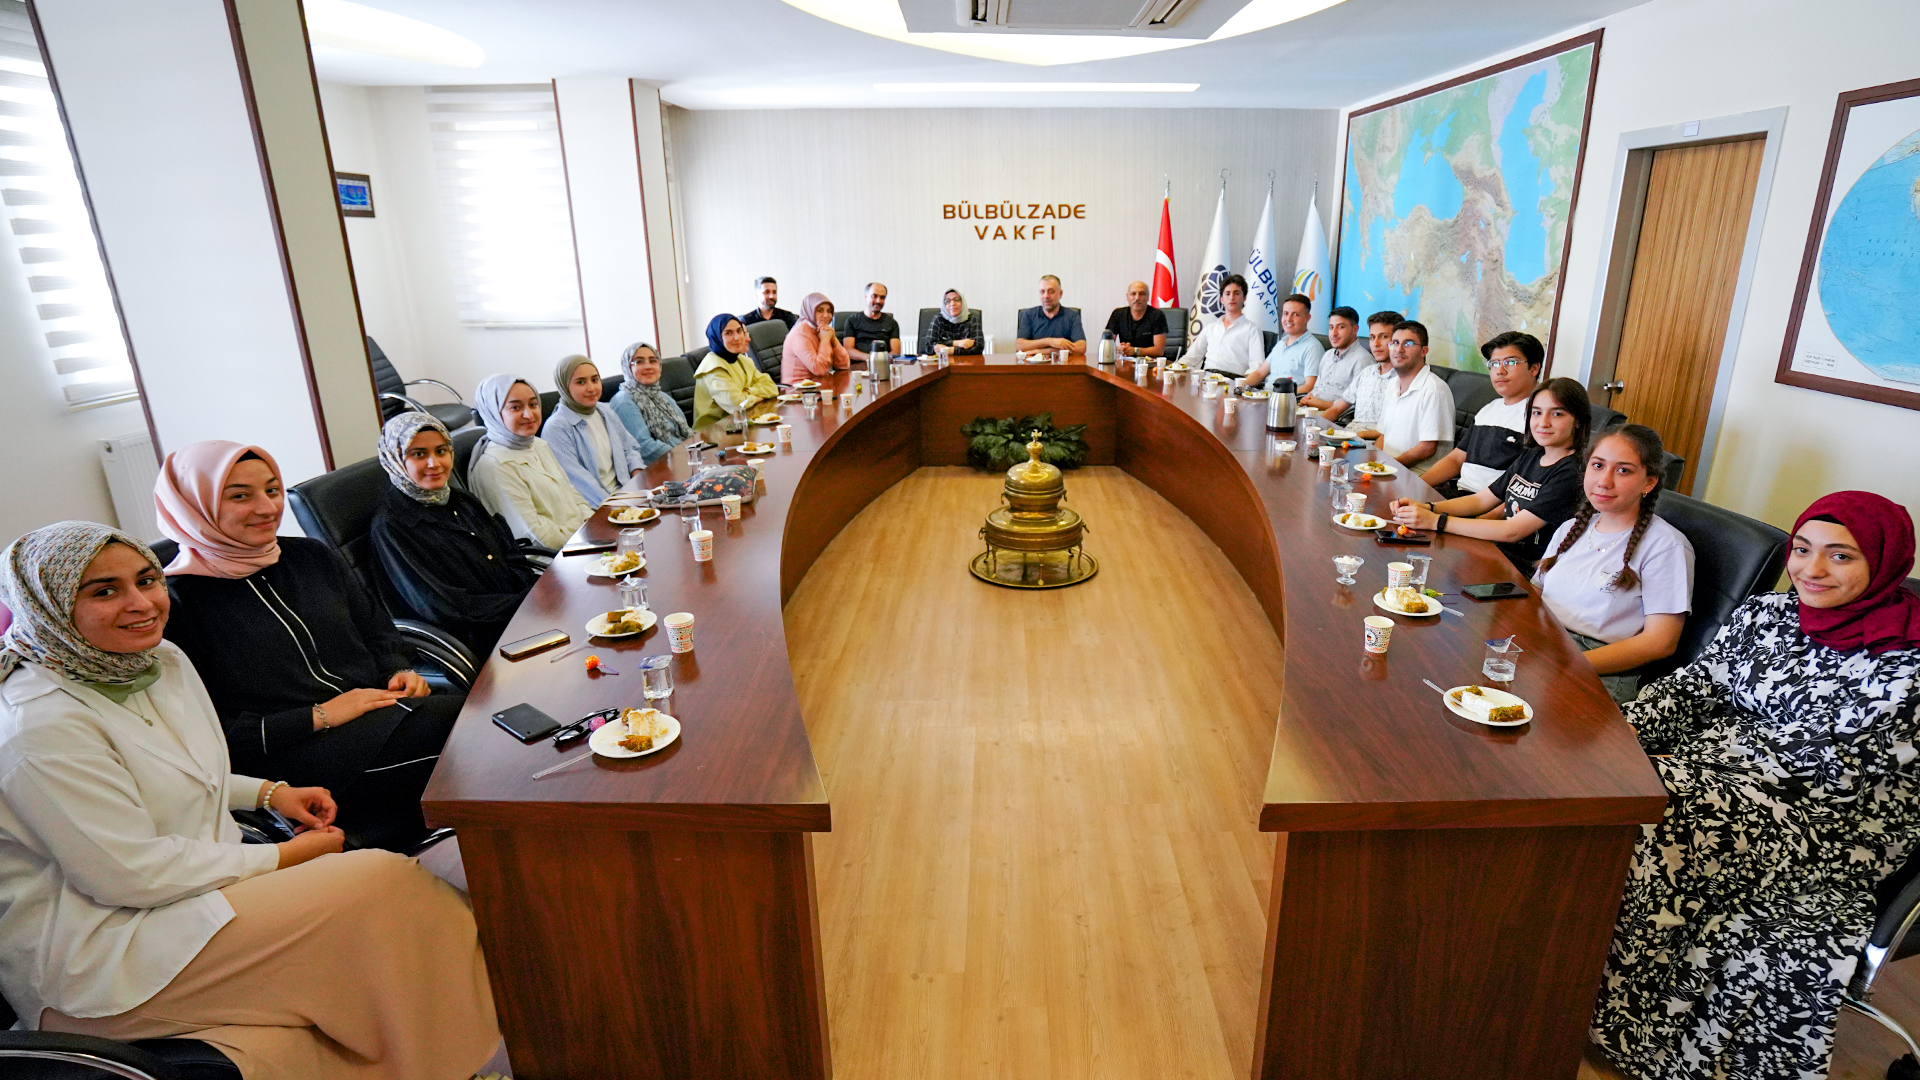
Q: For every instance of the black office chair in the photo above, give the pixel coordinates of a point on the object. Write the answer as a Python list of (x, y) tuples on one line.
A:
[(549, 401), (463, 444), (1472, 391), (610, 386), (1603, 418), (1896, 909), (839, 325), (925, 329), (1734, 557), (1672, 470), (394, 398), (1176, 332), (50, 1055), (337, 508), (676, 378), (1268, 340), (769, 338), (1325, 341)]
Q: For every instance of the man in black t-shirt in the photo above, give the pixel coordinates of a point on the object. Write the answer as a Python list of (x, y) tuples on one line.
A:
[(1138, 330), (865, 328), (768, 309)]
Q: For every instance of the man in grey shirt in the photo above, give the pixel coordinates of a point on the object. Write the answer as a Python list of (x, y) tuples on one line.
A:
[(1340, 364)]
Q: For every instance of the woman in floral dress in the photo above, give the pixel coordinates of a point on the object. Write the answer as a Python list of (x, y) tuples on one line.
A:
[(1788, 754)]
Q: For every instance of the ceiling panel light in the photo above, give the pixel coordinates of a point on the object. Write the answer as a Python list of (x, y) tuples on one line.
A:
[(882, 18), (1038, 88), (359, 28)]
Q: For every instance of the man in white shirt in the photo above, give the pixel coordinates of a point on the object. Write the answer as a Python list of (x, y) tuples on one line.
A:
[(1416, 426), (1340, 365), (1296, 355), (1370, 385), (1498, 435), (1232, 345)]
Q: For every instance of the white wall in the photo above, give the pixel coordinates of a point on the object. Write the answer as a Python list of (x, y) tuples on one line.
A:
[(600, 145), (1671, 61), (831, 199), (400, 263)]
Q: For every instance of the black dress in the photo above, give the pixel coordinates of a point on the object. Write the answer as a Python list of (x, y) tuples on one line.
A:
[(455, 566), (272, 645)]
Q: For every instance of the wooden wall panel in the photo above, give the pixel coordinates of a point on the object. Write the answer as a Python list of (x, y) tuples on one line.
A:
[(1692, 233), (967, 394)]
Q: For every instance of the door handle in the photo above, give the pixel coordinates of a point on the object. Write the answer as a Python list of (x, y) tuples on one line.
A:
[(1614, 387)]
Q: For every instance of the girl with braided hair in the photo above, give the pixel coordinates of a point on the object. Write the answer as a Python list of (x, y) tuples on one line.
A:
[(1619, 578)]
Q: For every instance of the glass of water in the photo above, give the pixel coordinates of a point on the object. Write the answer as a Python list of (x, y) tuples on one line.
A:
[(690, 512), (1502, 657), (1342, 470), (1421, 564), (656, 677), (631, 540), (633, 593), (1340, 492)]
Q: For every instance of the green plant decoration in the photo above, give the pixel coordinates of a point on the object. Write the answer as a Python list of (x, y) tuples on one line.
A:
[(999, 443)]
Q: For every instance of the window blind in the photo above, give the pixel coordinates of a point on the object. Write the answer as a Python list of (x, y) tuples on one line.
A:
[(504, 197), (52, 233)]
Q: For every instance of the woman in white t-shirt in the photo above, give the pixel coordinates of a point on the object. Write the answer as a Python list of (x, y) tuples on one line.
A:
[(1619, 578)]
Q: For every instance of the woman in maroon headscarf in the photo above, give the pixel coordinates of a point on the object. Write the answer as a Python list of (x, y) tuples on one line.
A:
[(1788, 754)]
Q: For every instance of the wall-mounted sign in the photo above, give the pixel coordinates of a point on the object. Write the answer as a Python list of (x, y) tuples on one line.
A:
[(1014, 220), (356, 193)]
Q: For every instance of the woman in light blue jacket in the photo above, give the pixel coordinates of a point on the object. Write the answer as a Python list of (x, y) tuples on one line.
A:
[(589, 438)]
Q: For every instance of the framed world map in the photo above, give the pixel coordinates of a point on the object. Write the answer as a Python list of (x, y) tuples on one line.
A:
[(1457, 200), (1847, 331)]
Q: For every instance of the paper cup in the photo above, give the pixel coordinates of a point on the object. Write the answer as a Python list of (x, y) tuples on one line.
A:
[(784, 433), (1399, 575), (702, 541), (1327, 453), (1379, 632), (846, 400), (730, 506), (680, 631), (1356, 502), (1232, 404)]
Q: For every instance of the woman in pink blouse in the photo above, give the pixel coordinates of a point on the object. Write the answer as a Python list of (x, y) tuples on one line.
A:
[(812, 349)]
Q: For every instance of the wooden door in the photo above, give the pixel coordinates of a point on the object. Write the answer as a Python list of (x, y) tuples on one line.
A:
[(1692, 232)]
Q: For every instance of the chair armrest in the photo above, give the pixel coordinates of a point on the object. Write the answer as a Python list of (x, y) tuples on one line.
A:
[(106, 1055), (404, 400), (441, 385), (449, 652)]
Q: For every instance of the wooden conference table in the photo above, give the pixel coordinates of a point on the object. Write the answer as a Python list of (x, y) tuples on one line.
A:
[(1442, 899)]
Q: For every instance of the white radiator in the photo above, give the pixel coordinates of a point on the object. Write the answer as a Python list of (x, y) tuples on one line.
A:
[(131, 470)]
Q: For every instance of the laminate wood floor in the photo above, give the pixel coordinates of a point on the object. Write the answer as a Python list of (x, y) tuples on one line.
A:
[(1044, 860)]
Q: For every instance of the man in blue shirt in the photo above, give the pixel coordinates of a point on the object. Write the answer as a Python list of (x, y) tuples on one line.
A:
[(1296, 355), (1051, 326)]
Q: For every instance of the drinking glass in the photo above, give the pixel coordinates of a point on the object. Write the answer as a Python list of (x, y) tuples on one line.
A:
[(1421, 564), (631, 540), (1342, 470), (693, 452), (690, 512), (1340, 492), (656, 677), (1347, 564), (633, 593), (1502, 654), (739, 422), (990, 349)]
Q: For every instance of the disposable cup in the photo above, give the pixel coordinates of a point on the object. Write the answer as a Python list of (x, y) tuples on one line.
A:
[(702, 541), (846, 400), (1399, 575), (680, 631), (1327, 453), (759, 468), (1356, 502), (730, 506), (1379, 633), (784, 433)]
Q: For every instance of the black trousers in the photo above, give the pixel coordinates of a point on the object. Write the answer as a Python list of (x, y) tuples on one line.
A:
[(393, 756)]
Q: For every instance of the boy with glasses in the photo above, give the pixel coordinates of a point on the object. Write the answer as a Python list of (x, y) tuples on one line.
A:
[(1416, 424), (1498, 435)]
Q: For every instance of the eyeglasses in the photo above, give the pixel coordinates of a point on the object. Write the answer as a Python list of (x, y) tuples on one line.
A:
[(1405, 345), (1507, 365)]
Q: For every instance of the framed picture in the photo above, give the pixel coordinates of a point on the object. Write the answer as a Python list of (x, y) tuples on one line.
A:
[(1456, 200), (1847, 332), (356, 193)]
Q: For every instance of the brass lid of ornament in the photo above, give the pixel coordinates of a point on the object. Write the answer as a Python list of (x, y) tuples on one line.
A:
[(1033, 519), (1033, 486)]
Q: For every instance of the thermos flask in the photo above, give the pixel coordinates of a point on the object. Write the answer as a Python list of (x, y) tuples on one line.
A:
[(1281, 406)]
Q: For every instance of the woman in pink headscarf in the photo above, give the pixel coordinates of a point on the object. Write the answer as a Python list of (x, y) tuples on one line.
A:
[(310, 679), (1787, 750), (811, 348)]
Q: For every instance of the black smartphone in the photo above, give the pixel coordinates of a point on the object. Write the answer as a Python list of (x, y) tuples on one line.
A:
[(526, 722), (1394, 536), (1499, 590), (527, 646)]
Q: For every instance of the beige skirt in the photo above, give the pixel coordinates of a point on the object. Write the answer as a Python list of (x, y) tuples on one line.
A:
[(357, 966)]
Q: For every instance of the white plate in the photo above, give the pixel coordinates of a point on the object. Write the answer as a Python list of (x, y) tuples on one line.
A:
[(1179, 367), (1256, 395), (632, 515), (1339, 433), (1214, 376), (1500, 697), (1375, 468), (806, 384), (1380, 601), (768, 418), (597, 626), (602, 567), (755, 448), (1377, 523), (606, 738)]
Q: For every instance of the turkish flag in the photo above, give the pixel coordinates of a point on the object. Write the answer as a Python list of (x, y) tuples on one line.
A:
[(1166, 282)]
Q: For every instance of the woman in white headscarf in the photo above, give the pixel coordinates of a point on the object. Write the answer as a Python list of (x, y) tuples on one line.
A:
[(130, 909), (514, 471)]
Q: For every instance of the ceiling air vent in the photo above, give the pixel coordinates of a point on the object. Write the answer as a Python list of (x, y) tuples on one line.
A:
[(1075, 16)]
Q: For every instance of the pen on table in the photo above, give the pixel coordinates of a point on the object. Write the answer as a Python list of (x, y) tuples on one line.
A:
[(569, 652)]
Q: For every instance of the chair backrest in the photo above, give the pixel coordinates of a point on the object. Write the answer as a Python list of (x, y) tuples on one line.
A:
[(1471, 391), (1269, 339), (1672, 469), (676, 378), (549, 401), (610, 386), (839, 323), (1913, 585), (464, 441), (337, 509), (385, 380), (1734, 557), (1604, 418), (769, 338), (1325, 341), (1176, 330)]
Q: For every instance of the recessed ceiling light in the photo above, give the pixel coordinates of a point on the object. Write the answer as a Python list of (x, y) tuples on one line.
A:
[(359, 28), (1038, 88), (882, 18)]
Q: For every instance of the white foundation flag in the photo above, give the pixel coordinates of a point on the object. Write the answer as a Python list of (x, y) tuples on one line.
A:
[(1213, 269), (1313, 276), (1263, 284)]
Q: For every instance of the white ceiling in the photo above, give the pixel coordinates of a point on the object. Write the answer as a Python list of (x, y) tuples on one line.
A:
[(755, 54)]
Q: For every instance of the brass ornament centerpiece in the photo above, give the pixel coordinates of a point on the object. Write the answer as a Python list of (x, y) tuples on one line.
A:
[(1032, 541)]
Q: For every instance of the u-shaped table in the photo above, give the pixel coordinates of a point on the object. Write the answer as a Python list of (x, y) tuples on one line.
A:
[(1442, 899)]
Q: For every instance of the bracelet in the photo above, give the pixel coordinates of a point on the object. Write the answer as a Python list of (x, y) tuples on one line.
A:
[(320, 717), (1441, 525), (266, 800)]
